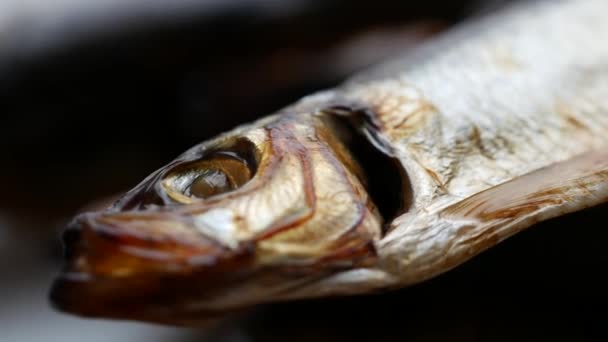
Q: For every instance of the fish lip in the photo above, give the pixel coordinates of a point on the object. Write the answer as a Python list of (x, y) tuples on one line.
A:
[(60, 297), (79, 296), (148, 298)]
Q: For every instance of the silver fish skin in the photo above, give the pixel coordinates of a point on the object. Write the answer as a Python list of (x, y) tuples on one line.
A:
[(485, 105)]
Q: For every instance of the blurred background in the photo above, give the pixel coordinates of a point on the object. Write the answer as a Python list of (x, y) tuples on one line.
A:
[(95, 95)]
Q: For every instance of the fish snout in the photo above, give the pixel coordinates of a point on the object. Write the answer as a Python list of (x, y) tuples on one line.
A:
[(122, 264), (121, 244)]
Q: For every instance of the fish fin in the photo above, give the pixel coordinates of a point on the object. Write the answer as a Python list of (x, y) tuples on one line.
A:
[(506, 209)]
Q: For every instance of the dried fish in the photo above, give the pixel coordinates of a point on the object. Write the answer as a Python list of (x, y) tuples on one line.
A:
[(400, 174)]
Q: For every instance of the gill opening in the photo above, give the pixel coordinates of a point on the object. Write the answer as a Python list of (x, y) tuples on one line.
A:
[(386, 181)]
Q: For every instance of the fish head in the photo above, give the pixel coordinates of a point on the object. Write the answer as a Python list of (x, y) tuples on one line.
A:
[(252, 216)]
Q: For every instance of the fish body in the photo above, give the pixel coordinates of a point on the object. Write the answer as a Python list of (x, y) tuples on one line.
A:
[(491, 128), (482, 106)]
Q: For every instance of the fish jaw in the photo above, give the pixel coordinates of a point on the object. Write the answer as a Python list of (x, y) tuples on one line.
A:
[(122, 265)]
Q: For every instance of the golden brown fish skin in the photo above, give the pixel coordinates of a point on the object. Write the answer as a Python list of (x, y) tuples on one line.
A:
[(498, 125), (156, 254)]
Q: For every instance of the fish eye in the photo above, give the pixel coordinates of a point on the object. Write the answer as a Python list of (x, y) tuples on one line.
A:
[(209, 183), (216, 173)]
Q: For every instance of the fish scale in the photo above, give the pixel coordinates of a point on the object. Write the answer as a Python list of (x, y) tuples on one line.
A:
[(471, 86)]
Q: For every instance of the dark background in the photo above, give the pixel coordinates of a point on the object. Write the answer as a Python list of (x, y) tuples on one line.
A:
[(92, 99)]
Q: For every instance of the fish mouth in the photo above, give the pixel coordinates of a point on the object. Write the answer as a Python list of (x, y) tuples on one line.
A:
[(114, 270), (162, 300)]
